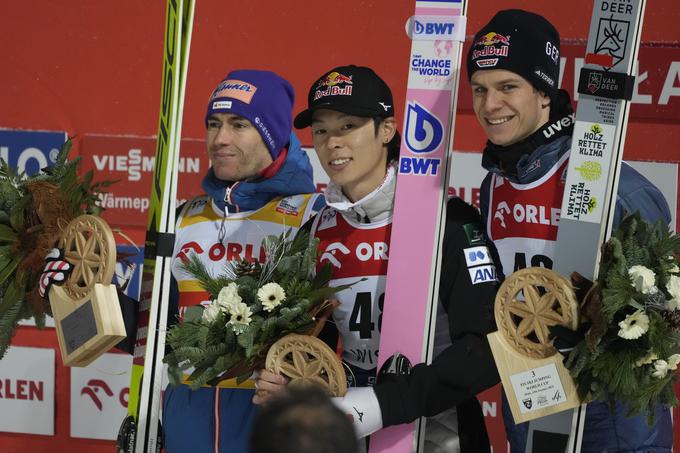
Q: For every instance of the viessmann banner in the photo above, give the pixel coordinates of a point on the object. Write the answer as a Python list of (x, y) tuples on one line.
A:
[(129, 161)]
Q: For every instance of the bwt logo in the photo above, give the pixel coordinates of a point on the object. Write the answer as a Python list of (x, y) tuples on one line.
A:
[(424, 131), (418, 166), (93, 388), (424, 134), (432, 28)]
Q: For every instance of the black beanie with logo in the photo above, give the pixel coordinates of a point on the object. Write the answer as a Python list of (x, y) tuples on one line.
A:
[(521, 42)]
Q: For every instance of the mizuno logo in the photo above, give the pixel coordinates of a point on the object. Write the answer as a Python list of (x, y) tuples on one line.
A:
[(360, 414)]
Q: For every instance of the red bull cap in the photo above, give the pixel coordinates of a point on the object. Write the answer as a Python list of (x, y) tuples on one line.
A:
[(354, 90)]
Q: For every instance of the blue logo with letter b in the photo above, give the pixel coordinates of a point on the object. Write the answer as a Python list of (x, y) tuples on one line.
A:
[(424, 131)]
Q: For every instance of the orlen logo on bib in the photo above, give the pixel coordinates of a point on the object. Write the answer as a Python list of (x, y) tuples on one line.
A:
[(526, 213), (331, 250), (364, 251)]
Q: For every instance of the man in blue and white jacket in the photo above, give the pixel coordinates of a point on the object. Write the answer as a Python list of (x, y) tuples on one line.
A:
[(260, 183), (513, 66)]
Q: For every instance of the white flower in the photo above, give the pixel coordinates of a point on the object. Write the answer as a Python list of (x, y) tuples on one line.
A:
[(673, 362), (210, 313), (673, 287), (634, 326), (647, 359), (240, 317), (675, 269), (228, 296), (271, 295), (642, 279), (660, 369)]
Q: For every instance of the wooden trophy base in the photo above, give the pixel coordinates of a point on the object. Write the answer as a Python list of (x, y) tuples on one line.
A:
[(89, 327), (534, 387)]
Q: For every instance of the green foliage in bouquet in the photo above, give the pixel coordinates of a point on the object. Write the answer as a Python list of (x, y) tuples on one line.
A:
[(33, 212), (253, 305), (632, 350)]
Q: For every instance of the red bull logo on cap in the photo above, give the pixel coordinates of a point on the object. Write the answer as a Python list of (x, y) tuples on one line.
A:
[(490, 48), (331, 83), (492, 38), (332, 79)]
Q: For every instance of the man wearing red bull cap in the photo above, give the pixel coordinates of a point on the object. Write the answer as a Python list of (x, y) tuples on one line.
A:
[(356, 140), (529, 122)]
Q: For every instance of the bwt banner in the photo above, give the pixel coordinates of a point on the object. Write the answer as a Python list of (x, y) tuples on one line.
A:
[(29, 151)]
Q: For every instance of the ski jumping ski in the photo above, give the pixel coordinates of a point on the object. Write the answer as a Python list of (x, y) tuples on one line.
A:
[(605, 89), (438, 31), (141, 431)]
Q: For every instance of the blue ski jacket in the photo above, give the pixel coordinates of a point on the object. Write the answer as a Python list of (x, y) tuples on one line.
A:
[(604, 430), (213, 419)]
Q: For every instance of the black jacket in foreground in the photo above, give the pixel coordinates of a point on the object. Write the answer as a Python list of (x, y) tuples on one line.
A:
[(466, 367)]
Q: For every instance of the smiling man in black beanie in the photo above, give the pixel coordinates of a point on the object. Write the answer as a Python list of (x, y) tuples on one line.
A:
[(513, 66)]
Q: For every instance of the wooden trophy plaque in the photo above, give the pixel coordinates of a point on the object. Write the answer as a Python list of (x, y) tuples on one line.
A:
[(535, 380), (85, 307), (306, 360)]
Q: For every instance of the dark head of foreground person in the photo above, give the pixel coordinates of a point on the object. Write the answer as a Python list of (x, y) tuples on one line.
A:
[(302, 420)]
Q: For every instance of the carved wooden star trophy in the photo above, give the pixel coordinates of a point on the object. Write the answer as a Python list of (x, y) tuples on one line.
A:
[(305, 360), (85, 308), (533, 375)]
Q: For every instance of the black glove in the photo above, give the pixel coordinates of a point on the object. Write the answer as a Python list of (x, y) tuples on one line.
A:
[(395, 365), (56, 270), (565, 338)]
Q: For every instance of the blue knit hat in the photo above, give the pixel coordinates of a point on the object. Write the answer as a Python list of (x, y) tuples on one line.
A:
[(261, 97)]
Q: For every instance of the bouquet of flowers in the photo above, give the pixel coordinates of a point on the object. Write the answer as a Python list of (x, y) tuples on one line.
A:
[(253, 305), (33, 212), (632, 350)]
